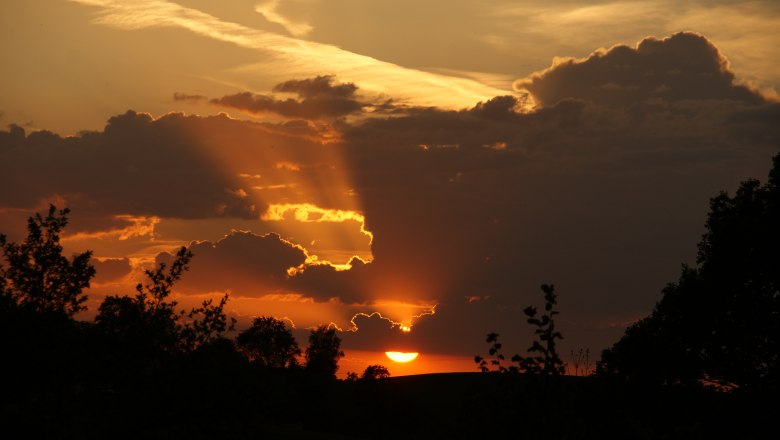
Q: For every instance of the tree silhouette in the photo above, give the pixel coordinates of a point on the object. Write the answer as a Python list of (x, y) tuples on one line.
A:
[(374, 372), (36, 276), (150, 321), (269, 342), (720, 322), (546, 361), (495, 351), (324, 351)]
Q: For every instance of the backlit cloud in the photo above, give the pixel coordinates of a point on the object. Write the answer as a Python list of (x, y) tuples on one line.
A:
[(242, 263), (684, 66)]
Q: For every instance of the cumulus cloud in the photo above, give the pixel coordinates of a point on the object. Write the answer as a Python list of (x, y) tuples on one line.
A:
[(242, 262), (137, 166), (111, 269), (684, 66), (252, 265)]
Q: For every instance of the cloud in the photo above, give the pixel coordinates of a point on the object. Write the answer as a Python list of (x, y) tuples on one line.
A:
[(295, 57), (603, 194), (185, 97), (318, 87), (111, 269), (318, 98), (268, 9), (137, 166), (242, 262), (684, 66)]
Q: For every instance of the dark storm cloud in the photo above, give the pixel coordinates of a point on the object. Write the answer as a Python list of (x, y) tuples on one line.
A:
[(317, 98), (683, 66)]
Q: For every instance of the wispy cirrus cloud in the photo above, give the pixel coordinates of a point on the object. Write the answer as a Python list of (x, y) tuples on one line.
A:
[(295, 57), (269, 10)]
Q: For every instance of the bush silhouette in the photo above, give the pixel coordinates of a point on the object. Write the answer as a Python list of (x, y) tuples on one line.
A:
[(269, 342)]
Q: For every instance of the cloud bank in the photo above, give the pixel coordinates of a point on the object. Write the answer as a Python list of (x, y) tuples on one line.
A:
[(601, 189)]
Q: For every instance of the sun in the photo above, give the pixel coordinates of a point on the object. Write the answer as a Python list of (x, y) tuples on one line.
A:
[(399, 356)]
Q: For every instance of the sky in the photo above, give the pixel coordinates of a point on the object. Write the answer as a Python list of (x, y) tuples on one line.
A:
[(409, 172)]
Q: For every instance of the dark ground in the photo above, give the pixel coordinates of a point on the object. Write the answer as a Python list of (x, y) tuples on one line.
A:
[(243, 402)]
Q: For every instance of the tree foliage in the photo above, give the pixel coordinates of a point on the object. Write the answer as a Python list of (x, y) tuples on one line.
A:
[(324, 351), (269, 342), (150, 321), (375, 372), (484, 364), (34, 274), (720, 322), (544, 358)]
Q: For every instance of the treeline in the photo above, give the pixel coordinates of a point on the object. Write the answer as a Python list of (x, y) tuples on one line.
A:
[(144, 364), (704, 363)]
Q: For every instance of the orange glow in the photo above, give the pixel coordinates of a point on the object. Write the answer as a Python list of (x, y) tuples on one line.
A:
[(307, 212), (358, 360), (138, 226), (398, 356)]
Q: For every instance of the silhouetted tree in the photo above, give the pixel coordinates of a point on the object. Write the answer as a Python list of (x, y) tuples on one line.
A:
[(150, 321), (36, 276), (40, 291), (720, 322), (547, 361), (269, 342), (324, 351), (374, 372), (495, 351)]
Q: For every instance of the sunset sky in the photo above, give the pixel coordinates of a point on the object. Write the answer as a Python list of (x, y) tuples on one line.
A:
[(390, 165)]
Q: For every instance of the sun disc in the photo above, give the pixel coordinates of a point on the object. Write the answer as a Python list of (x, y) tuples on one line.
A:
[(399, 356)]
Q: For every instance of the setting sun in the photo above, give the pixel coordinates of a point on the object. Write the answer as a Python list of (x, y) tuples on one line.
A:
[(399, 356)]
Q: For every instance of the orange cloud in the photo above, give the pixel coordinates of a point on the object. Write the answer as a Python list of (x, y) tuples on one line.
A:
[(139, 226), (306, 212)]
